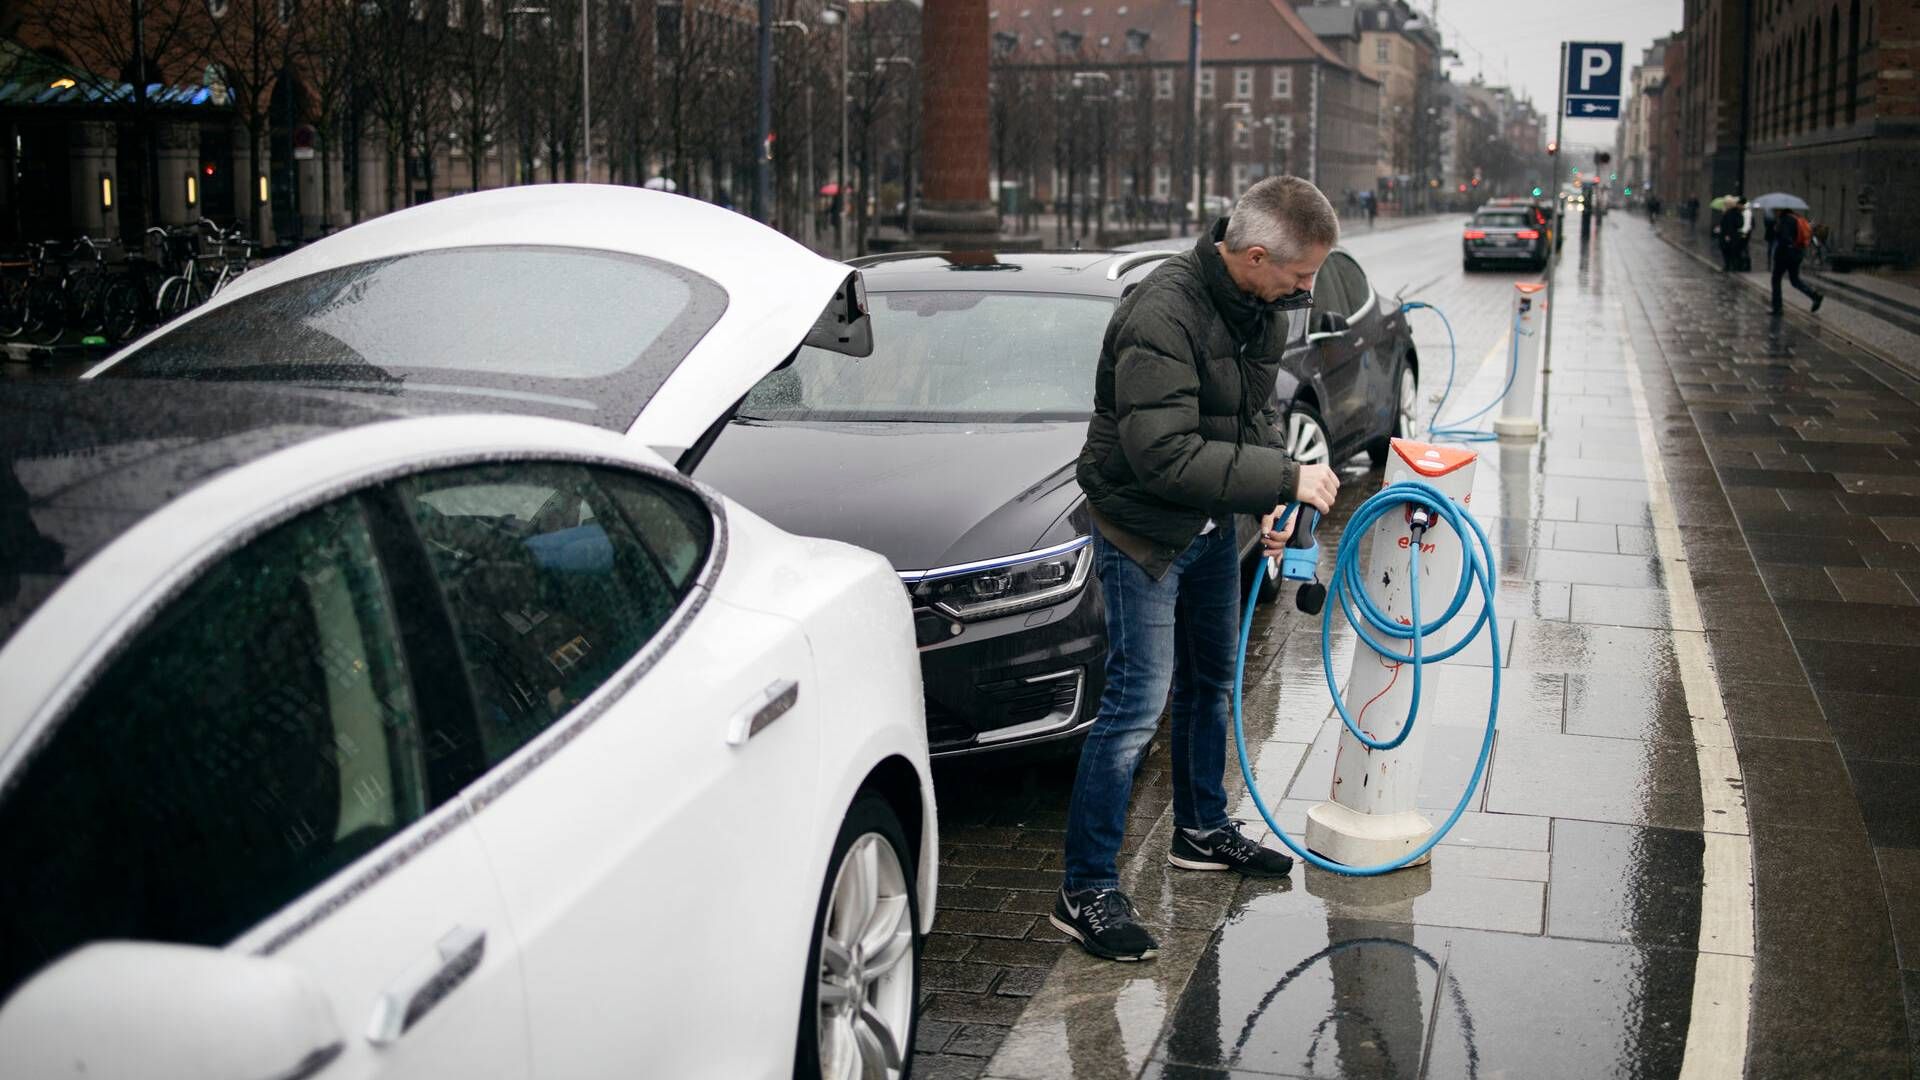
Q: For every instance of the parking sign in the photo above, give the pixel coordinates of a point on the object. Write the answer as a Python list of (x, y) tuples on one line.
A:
[(1592, 79)]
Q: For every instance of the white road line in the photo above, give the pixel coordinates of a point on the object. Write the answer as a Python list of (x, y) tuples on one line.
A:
[(1723, 972)]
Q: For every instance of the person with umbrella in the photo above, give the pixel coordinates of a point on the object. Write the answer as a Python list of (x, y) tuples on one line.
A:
[(1733, 235), (1793, 233)]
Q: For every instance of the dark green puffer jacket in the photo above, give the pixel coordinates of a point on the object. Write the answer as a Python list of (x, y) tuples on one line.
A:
[(1183, 425)]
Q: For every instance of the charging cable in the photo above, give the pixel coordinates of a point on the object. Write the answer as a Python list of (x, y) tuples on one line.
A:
[(1457, 431), (1424, 506)]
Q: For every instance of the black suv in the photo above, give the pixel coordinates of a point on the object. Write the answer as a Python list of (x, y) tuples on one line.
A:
[(1507, 231)]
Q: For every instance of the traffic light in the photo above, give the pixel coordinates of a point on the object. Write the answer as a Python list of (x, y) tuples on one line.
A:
[(1536, 193), (1629, 191), (1552, 147), (1613, 176)]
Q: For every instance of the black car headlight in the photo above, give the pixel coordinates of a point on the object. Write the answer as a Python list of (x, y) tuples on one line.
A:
[(988, 590)]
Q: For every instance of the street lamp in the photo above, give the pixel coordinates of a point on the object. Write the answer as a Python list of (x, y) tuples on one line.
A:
[(831, 15), (811, 190), (913, 115)]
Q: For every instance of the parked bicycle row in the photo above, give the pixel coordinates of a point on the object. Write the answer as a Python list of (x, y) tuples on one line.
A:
[(102, 292)]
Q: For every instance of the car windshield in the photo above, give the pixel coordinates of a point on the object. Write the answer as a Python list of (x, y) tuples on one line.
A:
[(1502, 219), (950, 357), (588, 335)]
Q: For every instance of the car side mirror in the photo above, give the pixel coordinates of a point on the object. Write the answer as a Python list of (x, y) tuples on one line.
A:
[(1328, 322), (122, 1010)]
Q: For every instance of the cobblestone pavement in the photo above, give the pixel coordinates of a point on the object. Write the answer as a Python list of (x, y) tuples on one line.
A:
[(1697, 843)]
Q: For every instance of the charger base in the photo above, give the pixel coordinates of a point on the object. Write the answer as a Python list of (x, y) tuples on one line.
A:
[(1352, 838)]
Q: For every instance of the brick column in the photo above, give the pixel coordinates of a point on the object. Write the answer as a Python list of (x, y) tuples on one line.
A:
[(953, 50)]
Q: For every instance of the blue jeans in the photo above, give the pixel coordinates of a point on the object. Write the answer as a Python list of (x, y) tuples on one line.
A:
[(1180, 631)]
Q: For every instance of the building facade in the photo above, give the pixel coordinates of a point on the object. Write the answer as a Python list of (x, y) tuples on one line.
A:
[(1094, 105), (1834, 115), (1633, 153)]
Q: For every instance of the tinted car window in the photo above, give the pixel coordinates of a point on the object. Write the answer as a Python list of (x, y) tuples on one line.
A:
[(550, 585), (1503, 219), (256, 738), (1334, 288), (950, 356), (588, 335)]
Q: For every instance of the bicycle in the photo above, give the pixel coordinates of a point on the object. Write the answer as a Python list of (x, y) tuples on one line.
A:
[(189, 287), (1816, 257)]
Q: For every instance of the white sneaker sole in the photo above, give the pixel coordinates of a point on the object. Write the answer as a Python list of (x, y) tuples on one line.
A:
[(1189, 864), (1067, 929)]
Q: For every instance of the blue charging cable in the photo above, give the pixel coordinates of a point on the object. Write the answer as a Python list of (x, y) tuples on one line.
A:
[(1427, 506), (1457, 431)]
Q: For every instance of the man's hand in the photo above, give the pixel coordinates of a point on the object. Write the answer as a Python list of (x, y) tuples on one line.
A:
[(1317, 486), (1274, 541)]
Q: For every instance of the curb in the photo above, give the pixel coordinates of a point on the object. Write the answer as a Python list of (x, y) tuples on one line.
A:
[(1807, 320)]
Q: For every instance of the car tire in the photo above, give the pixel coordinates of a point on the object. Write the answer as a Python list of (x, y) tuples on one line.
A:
[(874, 1023), (1468, 266), (1406, 422)]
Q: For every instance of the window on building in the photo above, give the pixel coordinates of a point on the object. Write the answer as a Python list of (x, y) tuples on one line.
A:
[(1242, 132), (1068, 42), (1853, 61), (1240, 176), (1163, 85), (1833, 67), (1206, 84), (1282, 84), (1162, 182), (1282, 134), (1137, 42), (1242, 84), (456, 11), (1004, 43), (1383, 50)]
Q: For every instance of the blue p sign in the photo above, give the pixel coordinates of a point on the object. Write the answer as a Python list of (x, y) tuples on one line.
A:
[(1593, 78), (1593, 69)]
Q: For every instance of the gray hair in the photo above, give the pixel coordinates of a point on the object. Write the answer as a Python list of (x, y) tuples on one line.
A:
[(1284, 214)]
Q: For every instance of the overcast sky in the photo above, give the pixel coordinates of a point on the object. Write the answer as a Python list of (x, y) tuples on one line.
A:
[(1522, 40)]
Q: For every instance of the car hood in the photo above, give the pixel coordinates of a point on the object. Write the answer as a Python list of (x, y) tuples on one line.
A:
[(924, 495)]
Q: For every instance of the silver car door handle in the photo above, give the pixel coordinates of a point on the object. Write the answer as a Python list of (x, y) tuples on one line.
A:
[(767, 706), (455, 957)]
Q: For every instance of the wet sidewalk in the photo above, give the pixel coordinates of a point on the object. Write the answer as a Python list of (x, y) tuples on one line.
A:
[(1695, 850)]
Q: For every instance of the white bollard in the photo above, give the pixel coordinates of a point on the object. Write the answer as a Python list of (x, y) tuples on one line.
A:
[(1516, 419), (1370, 817)]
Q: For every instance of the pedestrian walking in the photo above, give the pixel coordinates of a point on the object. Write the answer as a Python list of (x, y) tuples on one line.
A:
[(1732, 240), (1793, 234), (1183, 437), (1373, 207)]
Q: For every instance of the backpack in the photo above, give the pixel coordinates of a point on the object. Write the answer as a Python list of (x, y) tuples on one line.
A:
[(1800, 236)]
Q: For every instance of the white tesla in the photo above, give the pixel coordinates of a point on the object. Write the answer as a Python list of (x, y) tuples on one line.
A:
[(379, 698)]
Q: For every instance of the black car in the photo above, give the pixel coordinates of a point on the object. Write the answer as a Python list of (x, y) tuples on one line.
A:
[(1508, 232), (951, 451)]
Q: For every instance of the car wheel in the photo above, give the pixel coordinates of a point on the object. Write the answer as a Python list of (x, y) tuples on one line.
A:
[(1307, 441), (1406, 403), (859, 1005)]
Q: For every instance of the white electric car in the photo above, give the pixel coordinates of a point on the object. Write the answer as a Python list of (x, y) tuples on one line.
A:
[(378, 697)]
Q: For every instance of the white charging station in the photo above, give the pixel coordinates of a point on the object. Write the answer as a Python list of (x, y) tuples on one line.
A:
[(1516, 419), (1371, 817)]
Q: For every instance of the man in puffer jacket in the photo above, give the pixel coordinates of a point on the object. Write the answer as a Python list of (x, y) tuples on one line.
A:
[(1183, 437)]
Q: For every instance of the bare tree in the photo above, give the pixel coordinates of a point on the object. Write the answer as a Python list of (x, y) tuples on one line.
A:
[(332, 48), (477, 75), (252, 42), (411, 95)]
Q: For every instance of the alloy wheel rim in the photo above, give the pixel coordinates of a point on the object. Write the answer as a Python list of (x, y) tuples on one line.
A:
[(864, 991), (1409, 395), (1306, 440)]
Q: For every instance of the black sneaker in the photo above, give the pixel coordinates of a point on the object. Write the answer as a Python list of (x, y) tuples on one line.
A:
[(1226, 848), (1102, 921), (1817, 300)]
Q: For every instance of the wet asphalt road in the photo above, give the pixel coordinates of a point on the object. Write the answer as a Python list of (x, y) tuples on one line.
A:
[(1627, 894)]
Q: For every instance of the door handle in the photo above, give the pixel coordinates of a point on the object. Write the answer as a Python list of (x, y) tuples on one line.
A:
[(767, 706), (455, 957)]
